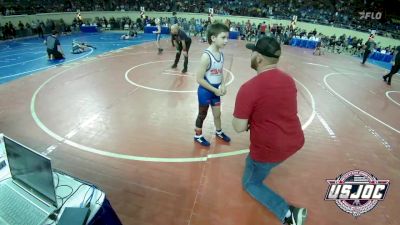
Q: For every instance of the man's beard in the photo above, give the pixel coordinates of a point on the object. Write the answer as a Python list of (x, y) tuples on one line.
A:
[(254, 63)]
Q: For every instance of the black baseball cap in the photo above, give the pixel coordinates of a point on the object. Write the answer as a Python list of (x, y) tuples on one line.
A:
[(266, 46)]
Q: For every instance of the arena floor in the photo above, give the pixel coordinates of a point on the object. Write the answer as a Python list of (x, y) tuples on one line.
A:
[(123, 120)]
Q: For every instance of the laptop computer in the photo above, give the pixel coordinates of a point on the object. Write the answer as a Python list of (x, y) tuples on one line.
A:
[(29, 196)]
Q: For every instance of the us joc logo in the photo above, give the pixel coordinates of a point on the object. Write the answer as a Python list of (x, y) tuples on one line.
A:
[(356, 192)]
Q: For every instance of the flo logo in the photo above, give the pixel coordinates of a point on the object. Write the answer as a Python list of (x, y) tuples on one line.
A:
[(372, 15), (356, 192)]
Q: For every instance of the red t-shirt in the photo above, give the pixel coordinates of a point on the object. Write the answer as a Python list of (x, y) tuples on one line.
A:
[(269, 102), (263, 27)]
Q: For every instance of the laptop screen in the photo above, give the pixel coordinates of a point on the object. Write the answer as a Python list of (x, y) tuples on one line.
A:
[(31, 169)]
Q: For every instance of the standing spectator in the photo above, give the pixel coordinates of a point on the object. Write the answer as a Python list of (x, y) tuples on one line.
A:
[(6, 31), (273, 29), (21, 25), (395, 66), (174, 20), (369, 47), (279, 33), (79, 18), (40, 28), (12, 30), (292, 25), (263, 28)]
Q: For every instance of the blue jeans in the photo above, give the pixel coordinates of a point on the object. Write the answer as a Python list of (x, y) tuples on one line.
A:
[(253, 177)]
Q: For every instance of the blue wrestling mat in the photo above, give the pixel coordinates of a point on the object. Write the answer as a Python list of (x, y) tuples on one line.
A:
[(24, 57), (385, 65)]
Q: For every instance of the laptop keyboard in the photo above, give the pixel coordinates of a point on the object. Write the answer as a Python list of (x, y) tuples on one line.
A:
[(16, 210)]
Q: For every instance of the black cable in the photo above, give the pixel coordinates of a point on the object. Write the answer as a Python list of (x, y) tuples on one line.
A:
[(75, 178), (90, 198), (51, 222), (58, 210), (53, 216), (84, 197), (91, 186), (97, 201), (64, 185), (58, 180)]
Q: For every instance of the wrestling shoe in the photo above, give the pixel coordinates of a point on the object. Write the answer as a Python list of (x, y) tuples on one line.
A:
[(223, 136), (201, 140), (297, 217)]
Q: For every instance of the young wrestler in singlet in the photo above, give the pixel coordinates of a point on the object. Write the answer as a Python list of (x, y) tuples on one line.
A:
[(211, 82), (158, 35)]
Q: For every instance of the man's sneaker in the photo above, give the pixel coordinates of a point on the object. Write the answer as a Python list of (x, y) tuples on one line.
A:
[(174, 66), (201, 140), (184, 70), (298, 216), (223, 136), (384, 78)]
